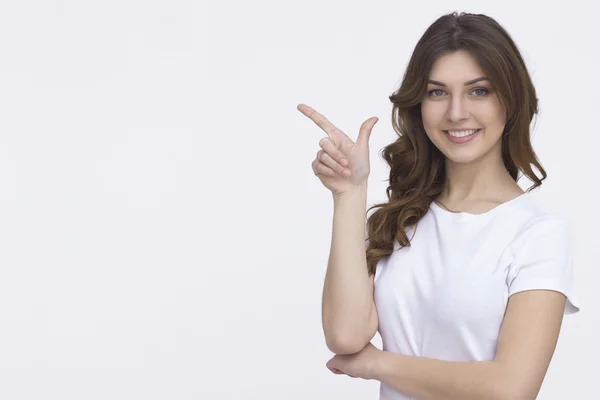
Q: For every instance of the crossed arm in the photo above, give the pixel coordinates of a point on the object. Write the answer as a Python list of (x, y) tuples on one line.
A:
[(526, 344)]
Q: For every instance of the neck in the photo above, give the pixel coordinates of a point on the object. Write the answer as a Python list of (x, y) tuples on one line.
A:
[(483, 179)]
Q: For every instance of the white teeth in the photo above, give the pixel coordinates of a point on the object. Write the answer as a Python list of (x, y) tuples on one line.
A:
[(461, 133)]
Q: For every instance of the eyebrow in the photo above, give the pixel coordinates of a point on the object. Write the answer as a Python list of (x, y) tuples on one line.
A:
[(483, 78)]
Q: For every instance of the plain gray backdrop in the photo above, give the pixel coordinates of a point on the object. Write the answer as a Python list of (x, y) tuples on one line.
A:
[(162, 235)]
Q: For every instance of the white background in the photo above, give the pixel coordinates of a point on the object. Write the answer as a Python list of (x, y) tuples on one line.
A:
[(162, 235)]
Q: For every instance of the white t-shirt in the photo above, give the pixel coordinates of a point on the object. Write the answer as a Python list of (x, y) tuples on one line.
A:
[(445, 296)]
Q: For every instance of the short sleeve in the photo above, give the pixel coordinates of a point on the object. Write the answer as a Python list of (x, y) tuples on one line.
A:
[(543, 259)]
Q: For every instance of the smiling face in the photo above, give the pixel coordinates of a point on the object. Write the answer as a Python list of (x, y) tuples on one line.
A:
[(449, 104)]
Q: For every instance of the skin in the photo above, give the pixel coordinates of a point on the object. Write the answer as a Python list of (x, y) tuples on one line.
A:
[(476, 182), (476, 179)]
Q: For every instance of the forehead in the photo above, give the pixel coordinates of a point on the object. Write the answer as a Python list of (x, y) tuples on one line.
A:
[(456, 68)]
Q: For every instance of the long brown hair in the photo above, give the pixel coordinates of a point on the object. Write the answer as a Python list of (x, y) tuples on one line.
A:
[(417, 168)]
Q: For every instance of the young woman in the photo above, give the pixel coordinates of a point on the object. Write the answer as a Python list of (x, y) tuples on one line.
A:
[(463, 275)]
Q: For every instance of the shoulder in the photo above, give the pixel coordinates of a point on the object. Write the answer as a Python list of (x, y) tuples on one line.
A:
[(542, 227), (531, 223)]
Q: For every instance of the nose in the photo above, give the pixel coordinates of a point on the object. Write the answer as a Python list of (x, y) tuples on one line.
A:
[(457, 110)]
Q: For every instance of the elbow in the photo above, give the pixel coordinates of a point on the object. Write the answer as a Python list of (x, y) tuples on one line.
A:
[(515, 388), (342, 346), (516, 394)]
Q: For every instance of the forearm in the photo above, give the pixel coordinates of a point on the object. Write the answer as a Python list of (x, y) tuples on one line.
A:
[(347, 297), (431, 379)]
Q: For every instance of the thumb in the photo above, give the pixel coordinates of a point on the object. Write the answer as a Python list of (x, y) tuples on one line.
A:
[(365, 130)]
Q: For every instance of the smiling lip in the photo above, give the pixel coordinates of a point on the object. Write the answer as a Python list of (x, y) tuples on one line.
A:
[(463, 139), (460, 130)]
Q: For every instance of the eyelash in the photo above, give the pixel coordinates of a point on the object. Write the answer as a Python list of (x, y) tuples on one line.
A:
[(429, 93)]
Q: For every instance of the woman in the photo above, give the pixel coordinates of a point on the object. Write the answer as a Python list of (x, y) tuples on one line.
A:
[(464, 277)]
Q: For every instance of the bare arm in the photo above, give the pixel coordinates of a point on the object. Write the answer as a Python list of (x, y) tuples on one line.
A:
[(527, 341), (348, 309)]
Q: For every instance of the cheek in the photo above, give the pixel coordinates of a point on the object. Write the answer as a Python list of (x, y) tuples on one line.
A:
[(491, 116), (491, 112), (432, 114)]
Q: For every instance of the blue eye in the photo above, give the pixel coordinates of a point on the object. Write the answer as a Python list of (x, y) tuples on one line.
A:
[(430, 93)]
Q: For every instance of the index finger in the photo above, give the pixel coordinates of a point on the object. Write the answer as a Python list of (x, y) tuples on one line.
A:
[(318, 119)]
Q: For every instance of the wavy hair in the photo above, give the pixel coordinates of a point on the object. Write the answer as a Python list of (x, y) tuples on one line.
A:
[(417, 167)]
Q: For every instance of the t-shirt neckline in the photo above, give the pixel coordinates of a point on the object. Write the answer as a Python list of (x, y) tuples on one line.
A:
[(464, 214)]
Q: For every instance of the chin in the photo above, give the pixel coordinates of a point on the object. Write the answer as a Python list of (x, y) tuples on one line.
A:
[(463, 158)]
